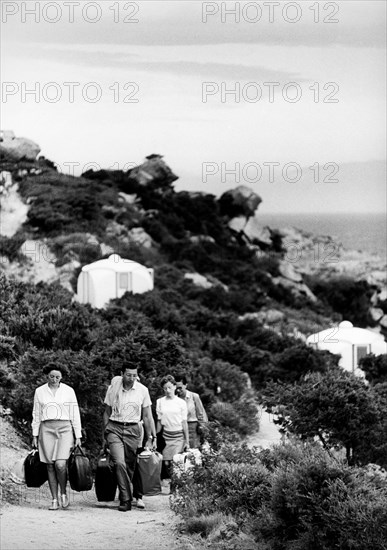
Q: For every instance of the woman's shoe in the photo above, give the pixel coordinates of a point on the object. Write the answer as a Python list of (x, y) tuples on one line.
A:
[(54, 505), (65, 501)]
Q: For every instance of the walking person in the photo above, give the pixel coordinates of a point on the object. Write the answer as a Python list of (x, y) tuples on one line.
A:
[(127, 402), (196, 413), (172, 420), (55, 421)]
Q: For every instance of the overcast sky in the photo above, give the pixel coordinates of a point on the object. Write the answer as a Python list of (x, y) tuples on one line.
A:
[(287, 98)]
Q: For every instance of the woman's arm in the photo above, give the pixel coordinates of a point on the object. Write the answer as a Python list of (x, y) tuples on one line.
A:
[(36, 416)]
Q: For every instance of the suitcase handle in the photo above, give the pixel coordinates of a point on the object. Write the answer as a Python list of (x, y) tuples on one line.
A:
[(78, 451)]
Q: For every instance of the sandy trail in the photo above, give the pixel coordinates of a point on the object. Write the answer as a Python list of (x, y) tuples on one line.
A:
[(27, 524), (86, 524)]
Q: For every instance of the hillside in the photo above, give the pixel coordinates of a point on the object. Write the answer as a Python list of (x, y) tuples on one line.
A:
[(227, 300)]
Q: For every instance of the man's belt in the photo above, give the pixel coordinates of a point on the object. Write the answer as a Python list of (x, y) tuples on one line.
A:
[(124, 423)]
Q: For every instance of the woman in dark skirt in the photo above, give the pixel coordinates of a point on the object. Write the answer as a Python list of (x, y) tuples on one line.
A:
[(172, 418), (55, 421)]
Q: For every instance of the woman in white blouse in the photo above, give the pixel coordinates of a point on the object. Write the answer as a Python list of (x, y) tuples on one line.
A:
[(172, 419), (55, 422)]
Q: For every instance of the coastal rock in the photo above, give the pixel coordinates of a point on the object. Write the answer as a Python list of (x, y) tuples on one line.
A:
[(197, 239), (198, 280), (252, 229), (376, 313), (383, 322), (268, 317), (139, 236), (297, 289), (129, 198), (238, 223), (241, 201), (16, 149), (13, 211), (115, 229), (154, 170), (288, 271)]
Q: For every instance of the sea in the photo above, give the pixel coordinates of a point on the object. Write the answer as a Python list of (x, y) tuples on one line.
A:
[(363, 232)]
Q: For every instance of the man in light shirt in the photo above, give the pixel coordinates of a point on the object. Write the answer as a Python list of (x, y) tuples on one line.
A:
[(127, 402), (196, 412)]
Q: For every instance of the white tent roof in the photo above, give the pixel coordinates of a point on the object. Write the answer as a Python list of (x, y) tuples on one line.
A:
[(346, 332), (115, 263)]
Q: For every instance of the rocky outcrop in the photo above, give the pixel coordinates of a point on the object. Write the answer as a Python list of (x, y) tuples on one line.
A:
[(39, 265), (324, 256), (13, 211), (265, 316), (139, 236), (16, 149), (136, 235), (252, 230), (241, 201), (153, 170), (205, 281), (198, 280), (299, 290)]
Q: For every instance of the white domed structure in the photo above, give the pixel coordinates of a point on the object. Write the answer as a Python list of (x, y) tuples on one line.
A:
[(352, 343), (107, 279)]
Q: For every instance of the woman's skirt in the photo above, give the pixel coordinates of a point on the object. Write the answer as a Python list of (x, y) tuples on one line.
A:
[(55, 440), (174, 443)]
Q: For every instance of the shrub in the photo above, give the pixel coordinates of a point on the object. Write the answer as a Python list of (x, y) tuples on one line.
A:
[(336, 407), (375, 367), (319, 503)]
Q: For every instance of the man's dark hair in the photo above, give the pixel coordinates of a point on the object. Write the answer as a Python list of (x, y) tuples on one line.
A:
[(128, 365), (181, 378)]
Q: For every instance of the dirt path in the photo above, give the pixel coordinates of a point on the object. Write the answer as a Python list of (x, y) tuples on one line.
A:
[(268, 434), (27, 524), (86, 524)]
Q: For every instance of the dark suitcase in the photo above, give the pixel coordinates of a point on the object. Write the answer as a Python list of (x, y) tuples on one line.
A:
[(80, 475), (35, 471), (105, 478)]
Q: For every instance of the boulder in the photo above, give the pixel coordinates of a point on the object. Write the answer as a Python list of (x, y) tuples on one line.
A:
[(197, 239), (288, 271), (376, 313), (251, 228), (238, 223), (383, 321), (16, 149), (241, 201), (13, 210), (198, 280), (138, 236), (153, 170), (297, 289), (128, 198), (257, 232)]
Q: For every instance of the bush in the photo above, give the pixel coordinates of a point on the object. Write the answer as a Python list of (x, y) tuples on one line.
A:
[(375, 368), (336, 407), (321, 504)]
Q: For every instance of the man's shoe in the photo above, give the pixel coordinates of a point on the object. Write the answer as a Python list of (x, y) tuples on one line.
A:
[(125, 506), (139, 503)]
